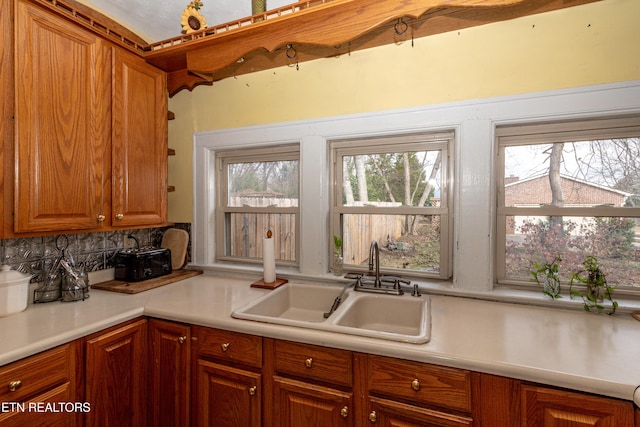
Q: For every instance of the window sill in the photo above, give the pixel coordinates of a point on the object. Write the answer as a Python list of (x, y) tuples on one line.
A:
[(434, 287)]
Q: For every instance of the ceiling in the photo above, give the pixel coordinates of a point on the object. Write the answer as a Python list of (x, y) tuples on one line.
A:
[(155, 20)]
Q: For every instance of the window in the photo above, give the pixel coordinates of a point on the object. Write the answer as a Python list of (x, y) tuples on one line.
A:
[(394, 190), (569, 190), (257, 191)]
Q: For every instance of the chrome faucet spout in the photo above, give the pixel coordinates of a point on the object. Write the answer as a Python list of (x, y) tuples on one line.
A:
[(374, 256)]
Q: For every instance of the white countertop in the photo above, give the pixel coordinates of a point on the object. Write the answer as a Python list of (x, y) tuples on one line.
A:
[(573, 349)]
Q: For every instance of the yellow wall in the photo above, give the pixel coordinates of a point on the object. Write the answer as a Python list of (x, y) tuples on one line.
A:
[(585, 45)]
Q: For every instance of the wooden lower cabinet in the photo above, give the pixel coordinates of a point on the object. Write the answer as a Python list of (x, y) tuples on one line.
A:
[(548, 407), (170, 374), (228, 397), (310, 385), (400, 392), (206, 377), (297, 403), (42, 387), (116, 374), (229, 385), (246, 380)]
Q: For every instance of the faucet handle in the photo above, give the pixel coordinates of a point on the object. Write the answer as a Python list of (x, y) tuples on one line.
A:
[(400, 281)]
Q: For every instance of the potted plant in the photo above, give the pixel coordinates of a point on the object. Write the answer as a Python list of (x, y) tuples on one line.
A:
[(547, 275), (337, 256), (596, 288)]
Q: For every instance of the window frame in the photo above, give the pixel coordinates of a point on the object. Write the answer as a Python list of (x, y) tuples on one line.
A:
[(428, 141), (250, 155), (583, 129), (474, 121)]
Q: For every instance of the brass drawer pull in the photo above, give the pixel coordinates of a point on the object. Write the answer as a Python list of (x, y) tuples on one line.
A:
[(15, 385), (308, 362), (415, 384), (182, 339), (101, 218), (225, 346), (252, 390), (344, 412), (373, 417), (119, 216)]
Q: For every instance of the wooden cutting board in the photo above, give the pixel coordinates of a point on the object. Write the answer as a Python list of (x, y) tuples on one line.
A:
[(145, 285), (176, 241)]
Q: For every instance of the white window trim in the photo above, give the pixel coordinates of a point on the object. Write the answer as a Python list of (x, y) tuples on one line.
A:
[(474, 123)]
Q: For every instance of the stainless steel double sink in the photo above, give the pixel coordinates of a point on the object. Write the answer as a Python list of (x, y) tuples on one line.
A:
[(404, 318)]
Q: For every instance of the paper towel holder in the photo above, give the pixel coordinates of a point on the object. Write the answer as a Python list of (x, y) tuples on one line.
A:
[(275, 283)]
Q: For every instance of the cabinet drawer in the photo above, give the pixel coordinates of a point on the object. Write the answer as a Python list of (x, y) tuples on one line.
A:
[(313, 362), (36, 374), (229, 346), (419, 383), (54, 418)]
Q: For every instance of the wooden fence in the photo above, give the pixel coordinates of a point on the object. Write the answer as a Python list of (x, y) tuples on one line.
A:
[(248, 230), (360, 230)]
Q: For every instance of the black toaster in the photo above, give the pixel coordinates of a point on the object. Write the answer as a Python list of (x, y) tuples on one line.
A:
[(135, 265)]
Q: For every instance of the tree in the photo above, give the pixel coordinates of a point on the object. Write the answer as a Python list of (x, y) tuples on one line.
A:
[(393, 177), (557, 197)]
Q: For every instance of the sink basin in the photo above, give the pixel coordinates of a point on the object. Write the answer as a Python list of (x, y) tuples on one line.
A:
[(399, 315), (292, 304), (392, 317)]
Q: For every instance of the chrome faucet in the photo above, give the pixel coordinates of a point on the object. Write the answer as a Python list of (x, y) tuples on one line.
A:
[(374, 252)]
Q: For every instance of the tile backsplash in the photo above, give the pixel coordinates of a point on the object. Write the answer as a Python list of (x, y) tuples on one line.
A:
[(94, 251)]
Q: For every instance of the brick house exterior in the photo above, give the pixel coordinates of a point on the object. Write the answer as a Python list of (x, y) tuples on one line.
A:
[(536, 191)]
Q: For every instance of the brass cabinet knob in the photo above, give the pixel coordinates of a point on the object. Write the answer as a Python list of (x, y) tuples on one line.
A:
[(14, 385), (119, 216), (225, 346), (415, 384), (344, 412), (101, 218), (308, 362), (182, 340), (373, 417), (252, 390)]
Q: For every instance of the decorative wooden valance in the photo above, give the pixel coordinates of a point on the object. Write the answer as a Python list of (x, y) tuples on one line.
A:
[(310, 30)]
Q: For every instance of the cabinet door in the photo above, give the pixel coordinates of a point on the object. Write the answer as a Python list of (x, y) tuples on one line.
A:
[(139, 141), (554, 408), (63, 123), (170, 345), (116, 377), (300, 404), (387, 413), (6, 106), (227, 397)]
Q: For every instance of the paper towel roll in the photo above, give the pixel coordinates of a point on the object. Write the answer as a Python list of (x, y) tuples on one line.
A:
[(269, 260)]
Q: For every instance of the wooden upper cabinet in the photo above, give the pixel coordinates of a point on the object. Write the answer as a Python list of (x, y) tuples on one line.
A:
[(91, 131), (63, 123), (139, 142)]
